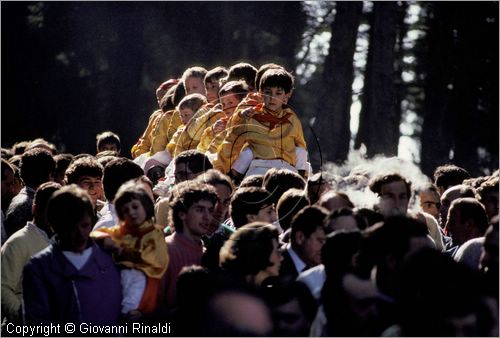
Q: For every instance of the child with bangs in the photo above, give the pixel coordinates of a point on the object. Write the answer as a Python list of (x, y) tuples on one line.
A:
[(272, 135), (230, 95), (139, 247)]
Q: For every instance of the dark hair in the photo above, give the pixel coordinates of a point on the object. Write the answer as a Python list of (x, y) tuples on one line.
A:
[(195, 160), (179, 93), (238, 88), (42, 143), (67, 206), (487, 187), (291, 202), (215, 74), (449, 175), (107, 137), (314, 183), (308, 220), (470, 208), (44, 192), (378, 181), (252, 181), (86, 166), (117, 172), (6, 166), (277, 181), (19, 147), (132, 190), (215, 177), (7, 153), (167, 100), (243, 71), (62, 163), (261, 72), (192, 101), (185, 195), (361, 223), (37, 165), (248, 201), (248, 249), (276, 77)]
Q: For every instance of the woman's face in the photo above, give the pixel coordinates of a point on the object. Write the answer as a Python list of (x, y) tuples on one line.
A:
[(275, 259)]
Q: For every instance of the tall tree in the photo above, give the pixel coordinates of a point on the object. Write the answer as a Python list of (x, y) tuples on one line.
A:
[(334, 101), (380, 114)]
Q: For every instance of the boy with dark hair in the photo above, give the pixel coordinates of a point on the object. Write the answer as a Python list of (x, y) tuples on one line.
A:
[(108, 140), (62, 163), (252, 205), (212, 83), (271, 137), (192, 208), (243, 71), (87, 173), (277, 181), (488, 196), (37, 166)]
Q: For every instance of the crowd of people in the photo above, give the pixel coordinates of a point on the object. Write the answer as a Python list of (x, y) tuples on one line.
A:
[(218, 225)]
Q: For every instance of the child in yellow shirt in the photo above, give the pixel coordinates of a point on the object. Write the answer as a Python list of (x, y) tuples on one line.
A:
[(272, 136), (230, 95), (139, 247)]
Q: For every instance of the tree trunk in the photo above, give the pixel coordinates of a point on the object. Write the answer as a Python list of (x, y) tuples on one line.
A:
[(334, 102), (380, 114)]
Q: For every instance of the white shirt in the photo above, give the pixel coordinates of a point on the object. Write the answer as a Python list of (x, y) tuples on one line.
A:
[(314, 278), (78, 259), (299, 264), (108, 218)]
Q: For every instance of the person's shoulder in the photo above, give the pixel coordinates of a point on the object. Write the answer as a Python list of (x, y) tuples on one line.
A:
[(41, 258)]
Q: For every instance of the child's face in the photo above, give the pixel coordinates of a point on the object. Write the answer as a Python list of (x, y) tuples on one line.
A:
[(133, 213), (195, 85), (275, 97), (229, 102), (212, 88), (186, 115)]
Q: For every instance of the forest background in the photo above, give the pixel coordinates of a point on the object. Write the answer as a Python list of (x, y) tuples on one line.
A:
[(418, 80)]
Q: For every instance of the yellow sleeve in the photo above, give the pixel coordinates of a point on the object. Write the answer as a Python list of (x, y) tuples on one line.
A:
[(205, 119), (154, 254), (143, 144), (164, 131), (298, 132), (234, 140), (205, 140), (175, 143)]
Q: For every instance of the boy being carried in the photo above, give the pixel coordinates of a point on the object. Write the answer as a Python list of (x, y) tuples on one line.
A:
[(271, 137)]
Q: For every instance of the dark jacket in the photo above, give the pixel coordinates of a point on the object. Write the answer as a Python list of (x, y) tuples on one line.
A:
[(54, 291)]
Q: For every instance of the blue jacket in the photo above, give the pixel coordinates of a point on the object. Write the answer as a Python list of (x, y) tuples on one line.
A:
[(54, 291)]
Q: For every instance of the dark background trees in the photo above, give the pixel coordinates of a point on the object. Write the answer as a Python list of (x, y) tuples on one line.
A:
[(73, 69)]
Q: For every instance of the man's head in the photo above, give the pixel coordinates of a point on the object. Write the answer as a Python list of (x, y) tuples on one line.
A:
[(117, 172), (189, 164), (276, 85), (8, 184), (448, 175), (223, 188), (488, 196), (71, 214), (333, 200), (192, 206), (250, 205), (108, 141), (86, 172), (450, 195), (309, 234), (394, 193), (62, 163), (37, 166), (277, 181), (466, 220), (212, 82), (192, 78), (289, 204), (430, 201), (42, 196)]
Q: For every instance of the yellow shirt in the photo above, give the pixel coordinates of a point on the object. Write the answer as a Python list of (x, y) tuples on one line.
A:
[(270, 135), (204, 117), (164, 130), (143, 144), (144, 247), (210, 142)]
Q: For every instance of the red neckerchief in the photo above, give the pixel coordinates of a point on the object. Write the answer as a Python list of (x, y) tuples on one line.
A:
[(273, 120)]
